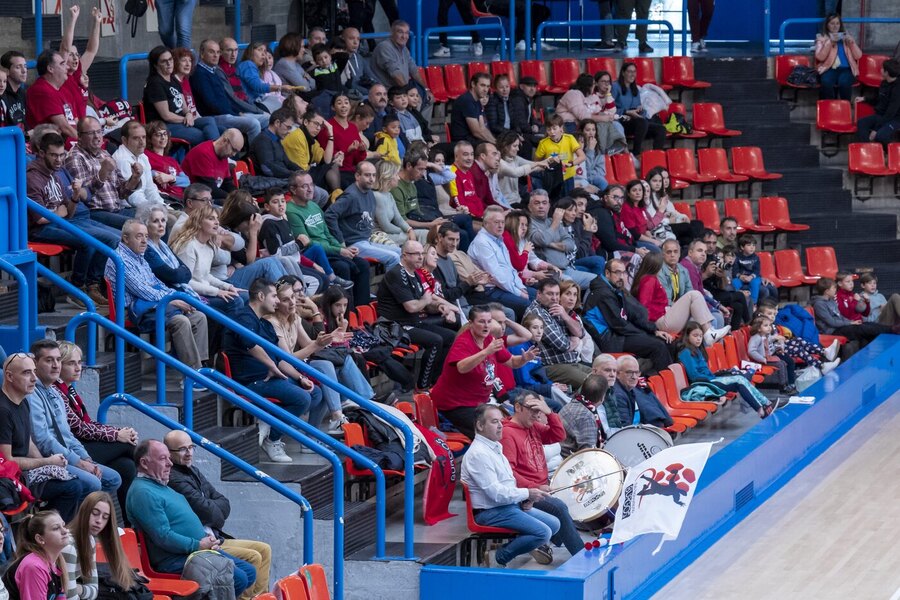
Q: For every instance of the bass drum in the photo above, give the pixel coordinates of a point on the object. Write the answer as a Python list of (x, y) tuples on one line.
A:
[(634, 444), (590, 497)]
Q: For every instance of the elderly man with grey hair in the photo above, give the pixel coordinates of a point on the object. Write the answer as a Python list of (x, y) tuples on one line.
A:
[(552, 235), (637, 403)]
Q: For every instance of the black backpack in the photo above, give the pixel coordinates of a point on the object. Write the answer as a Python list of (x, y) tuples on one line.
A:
[(803, 76), (135, 10)]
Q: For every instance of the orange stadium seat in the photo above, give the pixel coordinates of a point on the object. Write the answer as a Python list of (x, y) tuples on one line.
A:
[(536, 69), (314, 581), (767, 268), (708, 214), (683, 166), (624, 165), (748, 160), (292, 588), (457, 83), (821, 261), (789, 269), (595, 64), (684, 208), (436, 83), (714, 163)]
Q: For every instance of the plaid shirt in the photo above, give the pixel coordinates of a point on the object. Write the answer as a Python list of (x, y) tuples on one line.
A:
[(555, 343), (102, 195)]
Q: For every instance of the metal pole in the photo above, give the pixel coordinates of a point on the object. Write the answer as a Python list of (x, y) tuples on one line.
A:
[(22, 303), (512, 31), (237, 20), (684, 29), (767, 26), (38, 27)]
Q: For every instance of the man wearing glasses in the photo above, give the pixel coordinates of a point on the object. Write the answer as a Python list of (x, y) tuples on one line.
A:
[(615, 238), (634, 403), (45, 101), (207, 163), (213, 508), (100, 176)]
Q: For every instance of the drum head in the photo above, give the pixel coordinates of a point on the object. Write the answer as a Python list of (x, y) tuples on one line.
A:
[(589, 497), (634, 444)]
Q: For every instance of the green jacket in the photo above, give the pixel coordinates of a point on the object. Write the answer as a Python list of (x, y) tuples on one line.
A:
[(310, 221)]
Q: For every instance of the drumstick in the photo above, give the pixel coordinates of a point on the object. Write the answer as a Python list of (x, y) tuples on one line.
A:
[(586, 480)]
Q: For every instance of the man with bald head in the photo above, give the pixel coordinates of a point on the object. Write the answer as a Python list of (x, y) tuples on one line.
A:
[(429, 320), (228, 63), (207, 163), (637, 404), (357, 74), (212, 508)]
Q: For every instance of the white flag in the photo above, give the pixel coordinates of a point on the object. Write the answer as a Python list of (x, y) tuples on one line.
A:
[(657, 493)]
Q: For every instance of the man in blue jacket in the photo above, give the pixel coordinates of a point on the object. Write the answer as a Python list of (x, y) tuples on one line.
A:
[(632, 400), (215, 97)]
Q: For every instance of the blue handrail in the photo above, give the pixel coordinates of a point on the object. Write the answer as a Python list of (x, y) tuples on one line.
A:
[(22, 304), (192, 376), (479, 27), (118, 288), (225, 455), (273, 350), (18, 235), (88, 304), (767, 26), (684, 28), (547, 24), (786, 22), (38, 27), (237, 21)]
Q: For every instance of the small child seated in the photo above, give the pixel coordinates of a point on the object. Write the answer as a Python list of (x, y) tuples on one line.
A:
[(745, 273), (410, 130), (852, 306), (387, 141), (562, 148), (830, 320), (767, 348), (532, 375), (868, 283), (325, 72), (797, 347)]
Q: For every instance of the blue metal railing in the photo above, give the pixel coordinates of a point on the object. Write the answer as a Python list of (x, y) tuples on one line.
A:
[(788, 22), (273, 350), (423, 39), (89, 305), (118, 288), (548, 24), (18, 216), (468, 28), (192, 375), (22, 303), (38, 27)]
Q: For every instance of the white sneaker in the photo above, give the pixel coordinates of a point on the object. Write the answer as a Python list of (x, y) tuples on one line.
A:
[(477, 49), (334, 426), (263, 432), (832, 350), (548, 47), (696, 47), (442, 52), (275, 451), (703, 45), (830, 366), (520, 46), (714, 335)]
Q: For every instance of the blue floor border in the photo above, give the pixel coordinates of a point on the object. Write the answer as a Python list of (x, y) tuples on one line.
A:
[(737, 480)]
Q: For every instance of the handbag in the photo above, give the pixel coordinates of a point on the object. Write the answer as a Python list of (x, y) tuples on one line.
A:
[(135, 9), (336, 355), (803, 76)]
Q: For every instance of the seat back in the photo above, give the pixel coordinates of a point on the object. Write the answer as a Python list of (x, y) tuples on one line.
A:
[(831, 114), (714, 162), (862, 110), (866, 157), (436, 80), (787, 264), (367, 314), (565, 71), (678, 107), (740, 209), (646, 69), (129, 546), (455, 76), (732, 359), (292, 588), (747, 160), (536, 69), (624, 166), (716, 354), (147, 569), (650, 159), (773, 210), (785, 63), (611, 172), (470, 518), (658, 387), (672, 392), (315, 582), (505, 67), (263, 596), (893, 160), (681, 163), (425, 409), (478, 67), (708, 214), (679, 375), (767, 267), (821, 261), (677, 69), (478, 14), (684, 208), (595, 64), (870, 69), (708, 116)]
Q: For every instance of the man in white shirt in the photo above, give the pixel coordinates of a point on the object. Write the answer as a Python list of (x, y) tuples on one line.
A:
[(496, 500), (134, 141)]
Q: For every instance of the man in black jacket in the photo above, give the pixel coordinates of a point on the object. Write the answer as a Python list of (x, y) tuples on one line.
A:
[(883, 125), (523, 107), (213, 509), (611, 231), (497, 112), (618, 323), (628, 396), (266, 151)]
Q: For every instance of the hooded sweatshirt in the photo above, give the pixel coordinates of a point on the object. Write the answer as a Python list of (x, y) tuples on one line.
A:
[(524, 449), (352, 216), (47, 188), (828, 317)]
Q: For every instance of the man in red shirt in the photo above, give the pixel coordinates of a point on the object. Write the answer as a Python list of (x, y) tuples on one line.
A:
[(524, 436), (462, 189), (45, 102), (207, 163), (470, 371), (485, 153), (77, 65)]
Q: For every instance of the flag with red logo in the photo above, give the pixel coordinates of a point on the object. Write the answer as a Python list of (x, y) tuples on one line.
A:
[(657, 493)]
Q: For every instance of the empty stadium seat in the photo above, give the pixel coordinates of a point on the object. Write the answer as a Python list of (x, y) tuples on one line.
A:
[(789, 269), (505, 67), (773, 210), (683, 166), (821, 261), (595, 64), (435, 78), (740, 209), (536, 69), (680, 423), (624, 166), (714, 163), (833, 118), (867, 159), (748, 160), (477, 67), (457, 83), (565, 71), (708, 214), (650, 159), (870, 69), (314, 581), (292, 588), (678, 72), (767, 269), (611, 172), (708, 117), (646, 71)]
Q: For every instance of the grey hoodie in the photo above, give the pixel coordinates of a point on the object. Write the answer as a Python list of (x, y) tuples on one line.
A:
[(828, 317), (352, 216)]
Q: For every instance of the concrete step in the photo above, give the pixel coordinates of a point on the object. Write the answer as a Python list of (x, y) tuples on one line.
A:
[(827, 228), (765, 135), (807, 202), (718, 70)]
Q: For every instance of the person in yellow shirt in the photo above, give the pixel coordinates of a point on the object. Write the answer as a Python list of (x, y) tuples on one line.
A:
[(387, 141), (302, 147), (563, 149)]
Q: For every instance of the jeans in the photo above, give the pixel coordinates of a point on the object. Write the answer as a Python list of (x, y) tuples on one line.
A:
[(535, 528), (62, 496), (836, 84), (291, 397), (513, 301), (174, 18), (567, 535), (89, 263), (316, 253), (109, 481), (354, 269), (244, 573), (269, 268), (649, 246), (113, 219), (349, 375), (582, 278), (884, 133), (591, 264), (386, 255), (248, 125), (204, 129), (752, 285)]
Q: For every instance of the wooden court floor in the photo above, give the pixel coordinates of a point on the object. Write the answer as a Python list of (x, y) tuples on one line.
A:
[(831, 532)]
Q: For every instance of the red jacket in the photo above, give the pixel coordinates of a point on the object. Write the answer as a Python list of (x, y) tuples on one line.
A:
[(652, 295), (524, 449), (848, 306)]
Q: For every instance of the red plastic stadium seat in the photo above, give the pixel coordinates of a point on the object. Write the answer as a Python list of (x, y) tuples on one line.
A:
[(821, 261), (314, 581), (565, 71), (684, 208), (650, 159), (646, 71), (708, 117), (835, 116), (868, 158), (708, 214), (773, 210), (43, 249), (862, 110), (767, 268), (784, 64), (435, 78), (536, 69), (682, 166), (714, 163), (595, 64), (505, 67), (475, 527), (624, 165), (164, 583), (292, 588), (611, 172), (478, 67), (678, 71), (748, 160), (740, 209), (870, 69), (787, 265), (457, 84)]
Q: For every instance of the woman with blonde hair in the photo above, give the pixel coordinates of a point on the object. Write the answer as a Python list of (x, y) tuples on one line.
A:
[(390, 226), (96, 520)]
